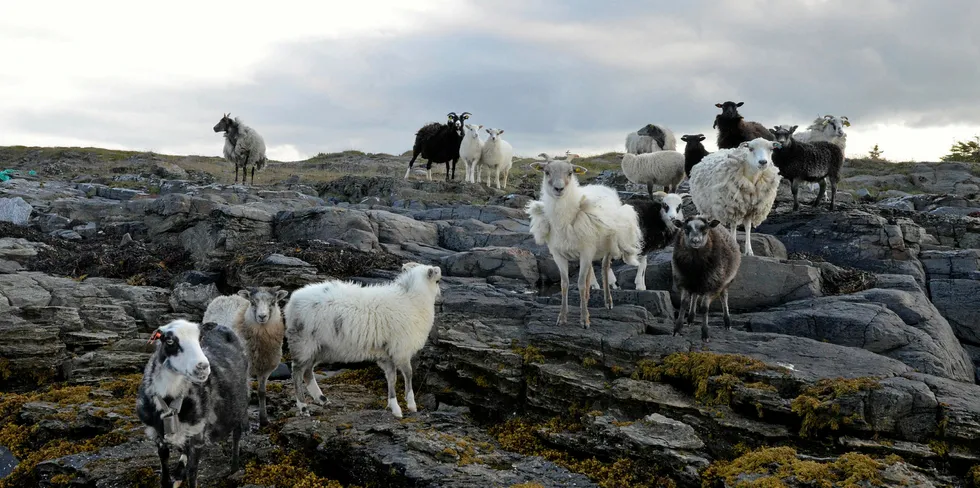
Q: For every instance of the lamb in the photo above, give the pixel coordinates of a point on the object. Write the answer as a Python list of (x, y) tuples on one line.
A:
[(737, 186), (255, 315), (733, 129), (585, 222), (194, 391), (650, 138), (661, 168), (694, 151), (470, 150), (497, 156), (704, 263), (337, 321), (807, 161), (244, 146), (439, 143)]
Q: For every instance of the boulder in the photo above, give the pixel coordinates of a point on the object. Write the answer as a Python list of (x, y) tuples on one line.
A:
[(396, 229), (324, 223), (481, 262), (15, 210)]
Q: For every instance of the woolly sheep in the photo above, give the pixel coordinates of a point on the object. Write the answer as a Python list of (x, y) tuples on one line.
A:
[(585, 222), (470, 150), (807, 161), (650, 138), (661, 168), (244, 146), (194, 391), (341, 322), (439, 143), (497, 156), (704, 263), (255, 315), (733, 129), (827, 128), (694, 151), (737, 186)]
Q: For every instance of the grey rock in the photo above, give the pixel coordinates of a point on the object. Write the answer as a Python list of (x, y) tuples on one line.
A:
[(48, 223), (168, 170), (396, 229), (68, 235), (193, 299), (950, 264), (482, 262), (324, 223), (21, 290), (957, 300), (15, 210)]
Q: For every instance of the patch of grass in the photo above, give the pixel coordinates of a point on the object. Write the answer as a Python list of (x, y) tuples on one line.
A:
[(292, 469), (973, 476), (589, 362), (698, 369), (774, 466), (529, 354), (819, 405)]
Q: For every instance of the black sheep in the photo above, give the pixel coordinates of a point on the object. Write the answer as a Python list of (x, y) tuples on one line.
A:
[(807, 161), (694, 151), (439, 143), (733, 129)]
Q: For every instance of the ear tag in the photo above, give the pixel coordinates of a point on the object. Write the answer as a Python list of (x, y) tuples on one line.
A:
[(156, 335)]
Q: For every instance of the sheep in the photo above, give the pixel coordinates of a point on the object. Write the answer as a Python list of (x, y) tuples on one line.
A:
[(737, 186), (650, 138), (694, 151), (733, 129), (704, 263), (827, 128), (194, 391), (497, 156), (255, 315), (661, 168), (243, 146), (585, 222), (337, 321), (439, 143), (470, 150), (807, 161)]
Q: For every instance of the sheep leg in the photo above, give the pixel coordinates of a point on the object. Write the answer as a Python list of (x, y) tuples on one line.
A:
[(593, 282), (164, 452), (612, 280), (692, 309), (820, 192), (606, 270), (314, 389), (263, 417), (748, 238), (415, 154), (724, 309), (641, 273), (406, 368), (682, 311), (496, 175), (253, 175), (391, 375), (236, 449), (506, 174), (833, 193), (795, 188), (585, 261), (299, 385), (650, 189), (562, 264), (706, 302), (236, 172)]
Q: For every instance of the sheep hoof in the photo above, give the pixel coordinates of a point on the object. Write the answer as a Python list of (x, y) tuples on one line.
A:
[(641, 287), (322, 400), (304, 411)]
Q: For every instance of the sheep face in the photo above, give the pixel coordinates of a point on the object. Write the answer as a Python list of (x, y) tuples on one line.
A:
[(473, 131), (494, 134), (729, 109), (760, 153), (180, 344), (784, 134), (558, 175), (225, 124), (415, 274), (834, 126), (689, 138), (457, 121), (671, 206), (262, 302), (695, 230)]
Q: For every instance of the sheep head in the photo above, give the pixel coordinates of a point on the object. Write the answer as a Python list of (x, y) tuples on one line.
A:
[(558, 175), (729, 109), (695, 230), (833, 126), (225, 124), (670, 206), (456, 123), (262, 302), (180, 350), (689, 138), (473, 130), (783, 134), (494, 134), (759, 156)]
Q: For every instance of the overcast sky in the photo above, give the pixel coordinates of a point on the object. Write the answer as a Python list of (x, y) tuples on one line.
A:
[(554, 74)]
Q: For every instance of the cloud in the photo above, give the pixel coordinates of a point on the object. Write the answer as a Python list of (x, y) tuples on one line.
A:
[(556, 75)]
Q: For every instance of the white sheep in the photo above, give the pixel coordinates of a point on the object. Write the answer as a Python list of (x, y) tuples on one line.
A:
[(737, 186), (650, 138), (827, 128), (661, 168), (470, 150), (585, 222), (497, 157), (255, 315), (341, 322), (244, 146)]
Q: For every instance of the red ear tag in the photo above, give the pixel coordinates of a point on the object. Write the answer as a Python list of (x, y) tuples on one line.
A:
[(156, 335)]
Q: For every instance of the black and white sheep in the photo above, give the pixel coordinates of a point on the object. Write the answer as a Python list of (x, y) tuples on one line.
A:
[(694, 151), (733, 129), (244, 146), (704, 263), (816, 161), (650, 138), (255, 315), (194, 391), (439, 143)]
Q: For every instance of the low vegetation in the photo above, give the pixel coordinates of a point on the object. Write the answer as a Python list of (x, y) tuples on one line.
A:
[(820, 406), (714, 377), (780, 467)]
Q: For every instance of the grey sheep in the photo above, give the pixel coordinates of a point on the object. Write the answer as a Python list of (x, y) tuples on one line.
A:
[(244, 146), (704, 264), (650, 138), (807, 161)]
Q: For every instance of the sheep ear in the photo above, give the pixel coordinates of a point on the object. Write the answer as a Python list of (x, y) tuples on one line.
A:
[(678, 223), (479, 127), (714, 223), (538, 166), (431, 273), (501, 131), (744, 144), (579, 170), (847, 123), (739, 104), (718, 105), (793, 129), (281, 295), (244, 294)]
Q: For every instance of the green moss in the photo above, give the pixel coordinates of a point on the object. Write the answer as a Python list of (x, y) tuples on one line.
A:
[(481, 381), (62, 479), (24, 475), (589, 362), (5, 369), (529, 354), (527, 485), (144, 477), (291, 469), (698, 368), (973, 476), (770, 466), (819, 405), (941, 448)]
